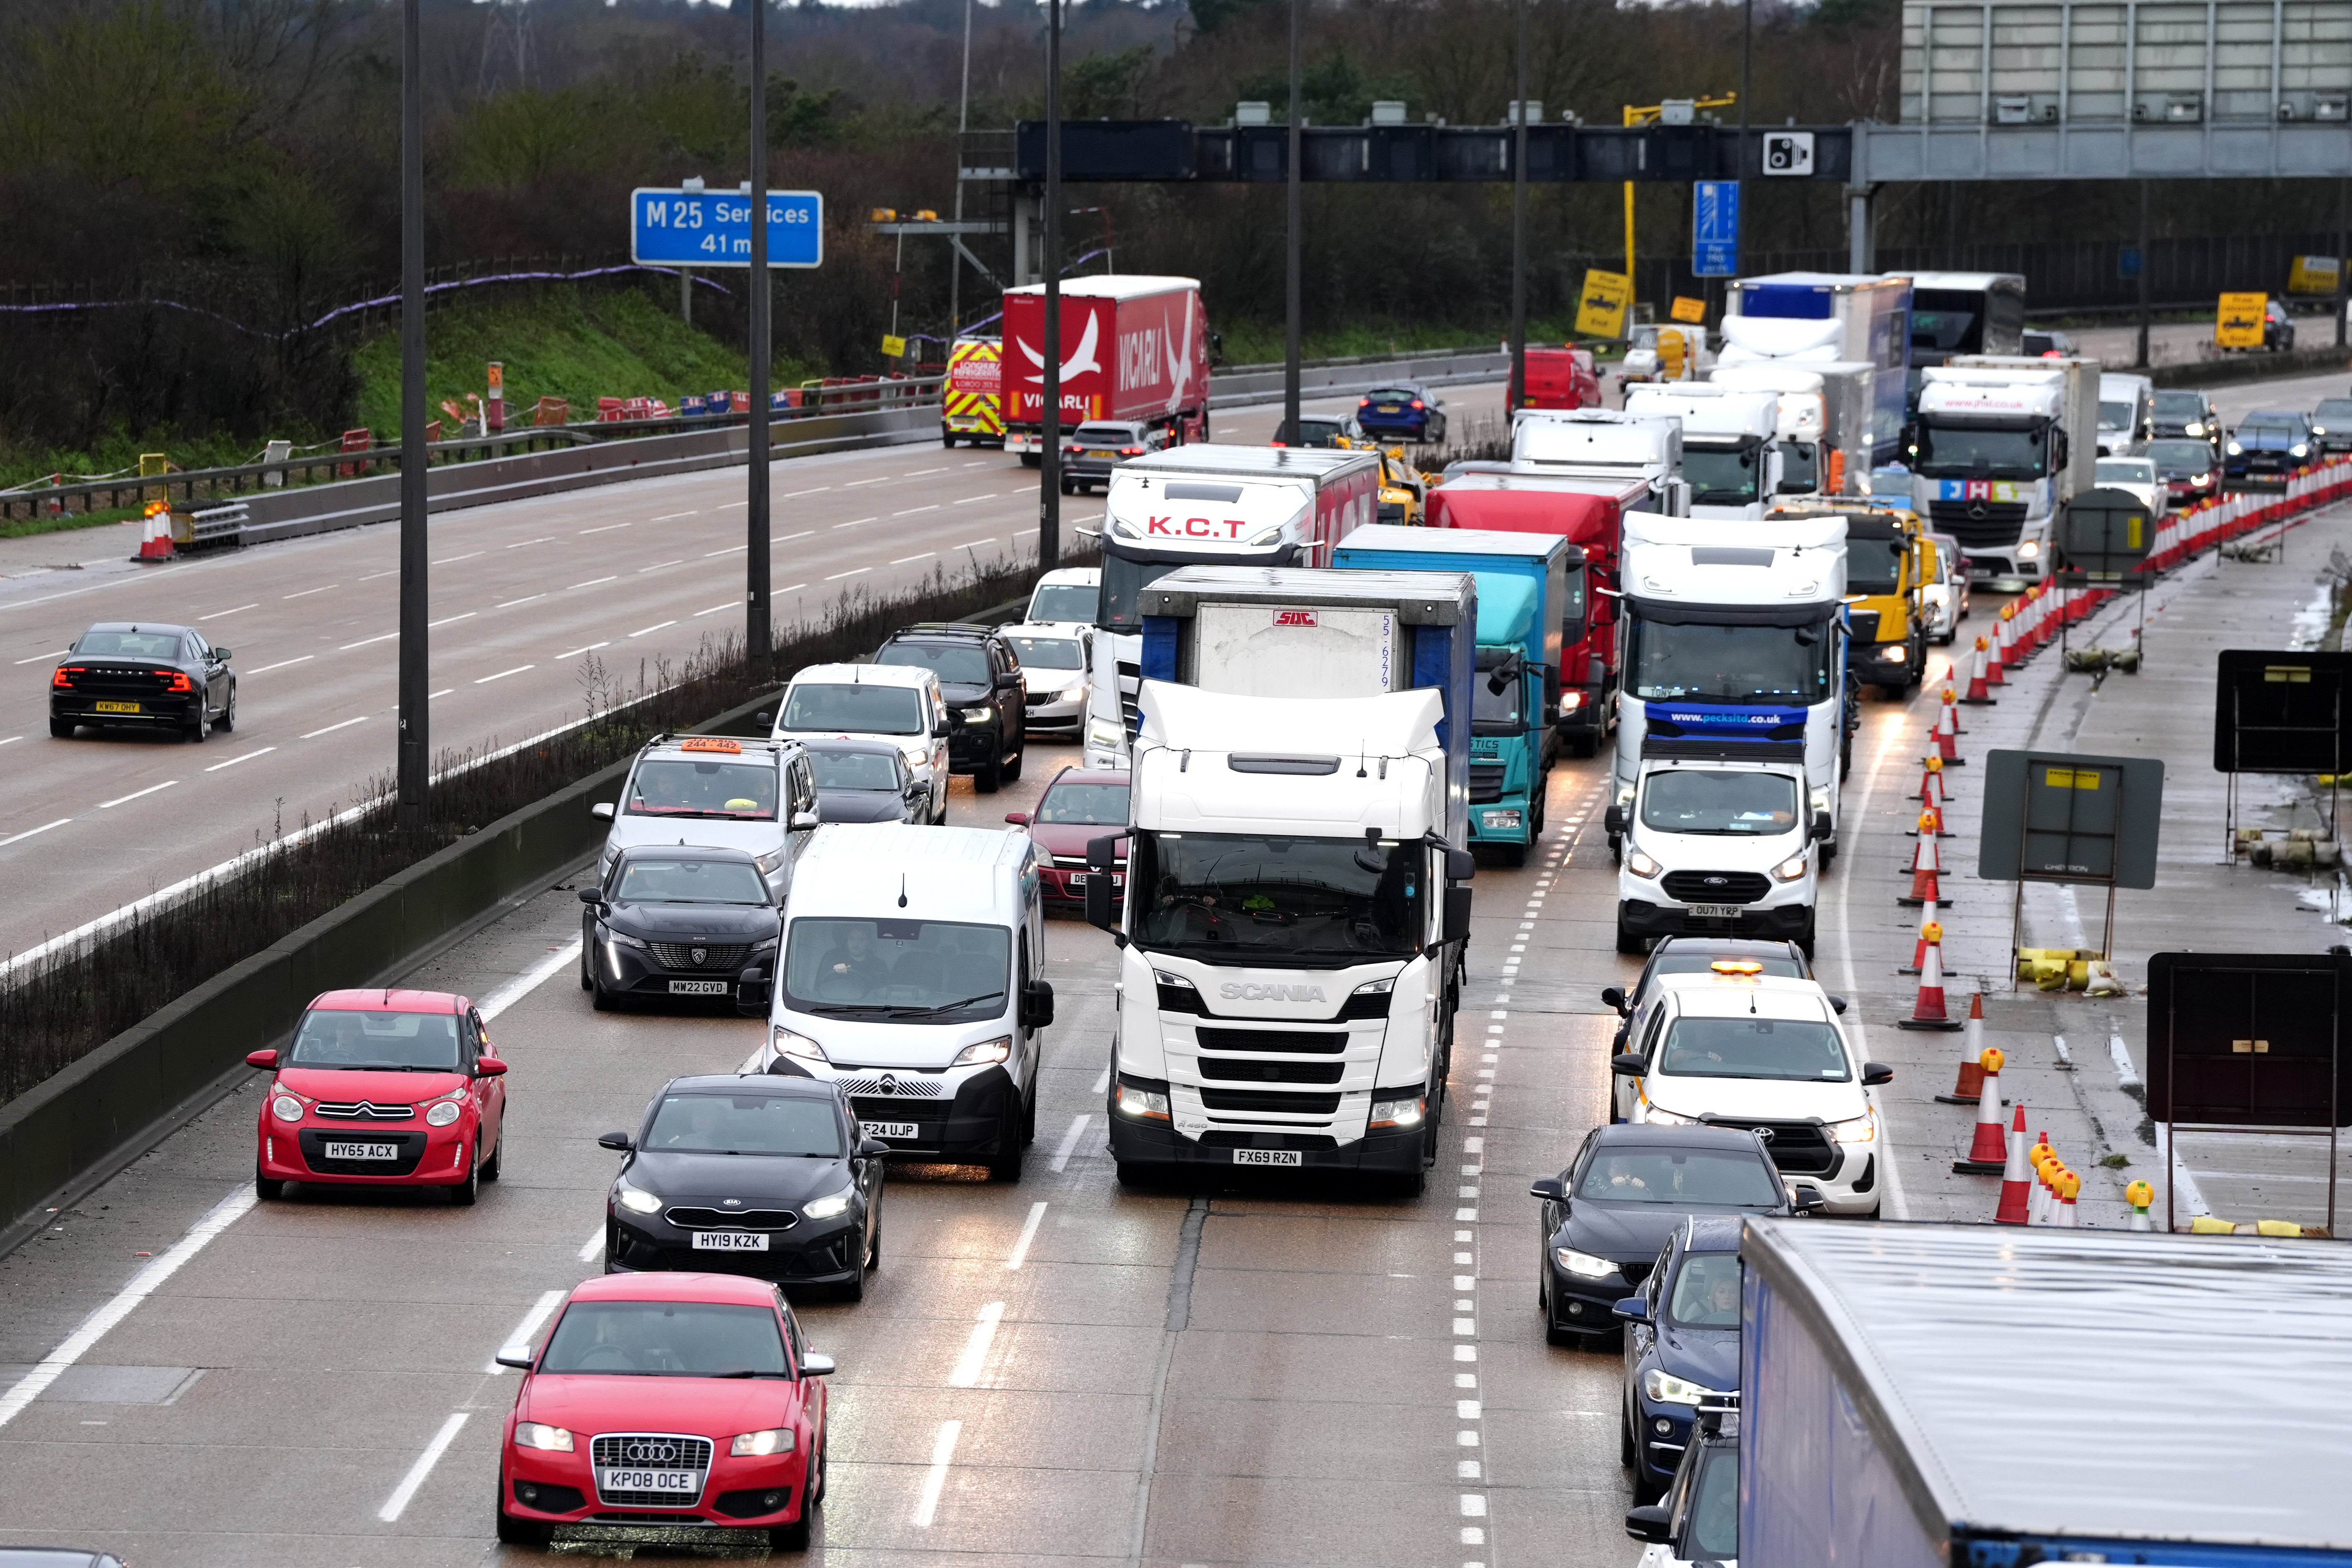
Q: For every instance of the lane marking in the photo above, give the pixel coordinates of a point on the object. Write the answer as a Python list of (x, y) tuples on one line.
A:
[(143, 1284), (925, 555), (975, 1351), (729, 551), (373, 575), (1895, 1203), (436, 696), (20, 837), (910, 511), (788, 588), (519, 543), (1070, 1140), (1028, 1235), (281, 664), (935, 1480), (524, 984), (540, 1311), (453, 560), (218, 615), (668, 517), (246, 758), (592, 582), (332, 728), (921, 473), (854, 571), (38, 657), (365, 642), (502, 675), (788, 538), (795, 495), (11, 740), (659, 564), (974, 543), (526, 599), (595, 1245), (135, 794), (450, 620), (655, 628), (405, 1492), (714, 609), (592, 647), (608, 527), (877, 480), (855, 522), (1102, 1081)]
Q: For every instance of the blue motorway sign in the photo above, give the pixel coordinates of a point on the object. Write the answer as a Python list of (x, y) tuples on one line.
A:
[(1715, 228), (713, 228)]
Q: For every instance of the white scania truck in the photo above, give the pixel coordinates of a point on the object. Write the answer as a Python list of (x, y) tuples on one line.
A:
[(2000, 446)]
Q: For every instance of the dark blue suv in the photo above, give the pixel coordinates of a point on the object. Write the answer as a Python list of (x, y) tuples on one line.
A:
[(2266, 449), (1682, 1346), (1406, 412)]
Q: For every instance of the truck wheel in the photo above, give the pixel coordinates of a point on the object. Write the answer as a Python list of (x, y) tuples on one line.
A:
[(1031, 460)]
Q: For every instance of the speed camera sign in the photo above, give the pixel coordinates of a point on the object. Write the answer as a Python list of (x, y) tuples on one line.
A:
[(1788, 152)]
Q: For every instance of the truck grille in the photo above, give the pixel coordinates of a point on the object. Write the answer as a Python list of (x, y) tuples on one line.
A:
[(1978, 524), (680, 954), (1715, 886), (732, 1219), (1232, 1071), (1486, 782), (649, 1451), (367, 1110), (1799, 1148), (1276, 1104), (911, 1087), (1297, 1041), (1228, 1139)]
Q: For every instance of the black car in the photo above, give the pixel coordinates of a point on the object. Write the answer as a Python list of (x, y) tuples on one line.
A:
[(2191, 416), (680, 922), (141, 674), (866, 781), (1608, 1215), (1091, 451), (2331, 425), (1681, 1347), (981, 683), (1698, 1518), (1689, 955), (2266, 449), (2048, 342), (748, 1174), (1315, 430), (2278, 326)]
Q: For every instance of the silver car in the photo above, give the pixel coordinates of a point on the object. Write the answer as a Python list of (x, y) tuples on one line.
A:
[(1056, 664), (716, 792)]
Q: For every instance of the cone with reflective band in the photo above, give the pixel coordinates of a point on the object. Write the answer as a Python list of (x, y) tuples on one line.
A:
[(1978, 696), (2069, 1183), (2139, 1194), (1931, 934), (1947, 732), (2016, 1176), (1923, 876), (2040, 1157), (1987, 1152), (1970, 1082), (1997, 668), (155, 534), (1928, 1012), (1934, 789)]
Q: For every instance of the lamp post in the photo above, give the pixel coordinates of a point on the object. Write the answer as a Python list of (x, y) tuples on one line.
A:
[(1290, 290), (759, 637), (1520, 226), (1049, 456), (414, 745)]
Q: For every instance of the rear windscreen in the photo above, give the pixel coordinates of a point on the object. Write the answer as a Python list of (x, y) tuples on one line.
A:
[(855, 710)]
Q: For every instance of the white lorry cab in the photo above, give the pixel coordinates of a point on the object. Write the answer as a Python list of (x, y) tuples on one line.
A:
[(1731, 453), (1735, 1048), (1999, 448), (1601, 444), (1823, 429), (910, 976), (1718, 846), (894, 702), (716, 792), (1291, 936)]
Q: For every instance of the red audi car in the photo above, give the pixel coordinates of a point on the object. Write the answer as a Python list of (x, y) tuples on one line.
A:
[(1076, 806), (384, 1088), (666, 1399)]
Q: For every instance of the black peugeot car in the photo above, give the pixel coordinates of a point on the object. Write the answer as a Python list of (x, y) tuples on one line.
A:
[(1607, 1216), (673, 921), (1682, 1346), (866, 781), (141, 675), (747, 1173), (981, 683)]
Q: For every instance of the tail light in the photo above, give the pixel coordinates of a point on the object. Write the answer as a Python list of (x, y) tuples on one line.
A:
[(1416, 403), (1131, 451), (1363, 403), (64, 677), (178, 682)]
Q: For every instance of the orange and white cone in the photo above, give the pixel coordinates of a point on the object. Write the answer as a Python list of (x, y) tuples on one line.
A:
[(1935, 789), (1931, 934), (1968, 1087), (155, 534), (1947, 733), (2043, 1159), (2016, 1177), (1928, 1012), (1929, 864), (1987, 1152), (2003, 648), (2069, 1183), (1978, 697)]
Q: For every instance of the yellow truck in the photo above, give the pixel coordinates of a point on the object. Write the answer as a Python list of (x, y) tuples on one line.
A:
[(1888, 563), (1404, 489), (971, 405)]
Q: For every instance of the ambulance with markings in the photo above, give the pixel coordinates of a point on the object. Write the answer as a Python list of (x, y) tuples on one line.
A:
[(972, 405)]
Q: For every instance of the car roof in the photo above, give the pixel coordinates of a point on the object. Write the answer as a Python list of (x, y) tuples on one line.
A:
[(1058, 630), (864, 674), (393, 999), (792, 1088), (971, 631), (136, 626), (1656, 1135), (839, 744), (1724, 995), (1721, 947), (1089, 577), (697, 851), (748, 747), (1712, 1233), (727, 1288), (1091, 776)]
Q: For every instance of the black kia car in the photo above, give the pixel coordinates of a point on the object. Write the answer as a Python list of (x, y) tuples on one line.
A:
[(141, 675), (866, 781), (676, 921), (747, 1173), (981, 683)]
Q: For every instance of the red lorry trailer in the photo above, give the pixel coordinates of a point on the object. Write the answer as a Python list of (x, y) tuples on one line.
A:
[(1133, 348), (1588, 512)]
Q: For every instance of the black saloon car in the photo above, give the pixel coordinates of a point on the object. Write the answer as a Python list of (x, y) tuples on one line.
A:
[(1608, 1215), (981, 683), (866, 781), (748, 1174), (142, 675), (677, 921), (1682, 1346)]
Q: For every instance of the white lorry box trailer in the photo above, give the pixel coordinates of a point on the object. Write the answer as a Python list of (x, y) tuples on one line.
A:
[(1824, 426), (1829, 317)]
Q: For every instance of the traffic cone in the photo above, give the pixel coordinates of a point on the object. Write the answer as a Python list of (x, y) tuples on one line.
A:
[(1931, 934), (1923, 876), (1947, 733), (1978, 697), (2016, 1176), (1988, 1153), (1969, 1085), (2139, 1194), (155, 534), (2043, 1158), (1996, 669), (1934, 789), (1928, 1012), (2069, 1183)]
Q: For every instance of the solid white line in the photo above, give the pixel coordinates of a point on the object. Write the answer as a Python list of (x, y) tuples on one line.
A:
[(143, 1284), (714, 609), (526, 599), (935, 1480), (281, 664), (607, 528), (592, 647), (515, 990), (20, 837), (450, 620), (595, 1245), (364, 642), (38, 657), (665, 517), (655, 628), (1070, 1141), (308, 592), (217, 615), (975, 1351), (332, 728), (540, 1311), (502, 675), (659, 564), (1896, 1203), (592, 582), (406, 1490), (925, 555), (1028, 1235), (135, 794), (856, 571), (246, 758)]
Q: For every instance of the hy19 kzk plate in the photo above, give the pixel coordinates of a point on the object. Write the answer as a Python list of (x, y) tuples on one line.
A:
[(729, 1241), (1267, 1157), (697, 988)]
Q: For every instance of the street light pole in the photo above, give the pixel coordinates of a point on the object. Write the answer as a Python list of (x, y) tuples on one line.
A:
[(414, 746), (1290, 291), (759, 636), (955, 256), (1049, 455), (1520, 227)]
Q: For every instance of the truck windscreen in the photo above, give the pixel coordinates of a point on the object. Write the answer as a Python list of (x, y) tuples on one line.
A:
[(1873, 565), (1123, 583), (1261, 900), (1729, 664), (1981, 451), (1723, 476), (1800, 469), (1494, 712)]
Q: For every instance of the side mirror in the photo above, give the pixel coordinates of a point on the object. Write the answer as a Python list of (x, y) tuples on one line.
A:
[(872, 1148), (516, 1356), (1628, 1064), (490, 1066), (602, 811), (1633, 1309), (220, 655), (1806, 1198), (1548, 1188), (592, 895), (1100, 914), (804, 820), (261, 1059), (1838, 1006), (1102, 853), (765, 719), (1615, 997), (1461, 866), (618, 1143), (1876, 1073), (816, 1364), (1457, 916), (1648, 1522), (1037, 999), (1612, 821), (1823, 828), (1017, 818)]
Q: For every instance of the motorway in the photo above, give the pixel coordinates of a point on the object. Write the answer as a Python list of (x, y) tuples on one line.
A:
[(1068, 1371)]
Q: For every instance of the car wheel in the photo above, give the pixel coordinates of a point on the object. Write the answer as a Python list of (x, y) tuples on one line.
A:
[(61, 729), (989, 777), (852, 1289), (793, 1537), (513, 1532), (1553, 1333), (1006, 1164), (1627, 1453), (1012, 768), (195, 729), (1646, 1491), (463, 1194), (601, 999), (493, 1167), (226, 722), (586, 982), (816, 1488), (267, 1188), (947, 439), (873, 1260), (1029, 1118)]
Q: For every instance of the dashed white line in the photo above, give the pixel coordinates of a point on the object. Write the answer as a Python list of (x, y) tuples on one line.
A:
[(436, 696), (795, 495), (714, 609), (246, 758), (332, 728), (935, 1479), (607, 528), (673, 516), (406, 1490), (20, 837), (519, 543), (729, 551), (592, 1245), (281, 664), (854, 572), (1028, 1235), (877, 480), (526, 599), (1070, 1141), (373, 575), (453, 560), (788, 538), (854, 522), (502, 675), (11, 740), (974, 543), (38, 657), (539, 1310), (136, 795), (925, 555), (969, 1365), (592, 582), (788, 588), (217, 615), (658, 625), (910, 511), (451, 620), (922, 473), (659, 564), (365, 642), (592, 647)]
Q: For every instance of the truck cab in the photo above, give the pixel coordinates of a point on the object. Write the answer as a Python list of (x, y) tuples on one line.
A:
[(1730, 452), (1887, 567), (1998, 446)]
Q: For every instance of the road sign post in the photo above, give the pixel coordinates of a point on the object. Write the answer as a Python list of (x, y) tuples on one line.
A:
[(1715, 228), (2282, 712), (2056, 816), (670, 228)]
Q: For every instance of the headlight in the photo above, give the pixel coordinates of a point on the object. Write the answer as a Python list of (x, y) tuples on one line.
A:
[(1499, 819), (1583, 1263), (444, 1112), (2192, 428), (1148, 1104), (1893, 653), (751, 1444), (1569, 702), (1641, 864), (769, 862), (1861, 1129), (784, 1043), (1076, 693), (1124, 528), (828, 1206), (285, 1107), (1659, 1118), (534, 1435), (1792, 869), (2298, 449), (623, 938), (983, 1052), (916, 755), (1397, 1112), (767, 946), (1368, 988), (2028, 549), (2236, 450), (636, 1200), (977, 715), (1665, 1388), (2200, 479), (1266, 536)]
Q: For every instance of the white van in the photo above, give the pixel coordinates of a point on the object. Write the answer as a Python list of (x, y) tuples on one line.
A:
[(911, 977), (897, 703), (2127, 413), (1069, 594), (1717, 848), (715, 792)]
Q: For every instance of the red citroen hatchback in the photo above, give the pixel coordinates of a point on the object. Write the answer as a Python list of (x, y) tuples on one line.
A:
[(666, 1399), (384, 1088)]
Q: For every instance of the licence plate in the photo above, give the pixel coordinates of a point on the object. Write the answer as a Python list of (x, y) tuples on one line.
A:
[(729, 1241), (1387, 408), (698, 988), (1267, 1157), (890, 1128), (115, 707), (683, 1483), (363, 1151), (1716, 912)]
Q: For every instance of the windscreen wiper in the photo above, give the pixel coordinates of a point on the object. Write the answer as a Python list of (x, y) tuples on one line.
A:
[(909, 1009)]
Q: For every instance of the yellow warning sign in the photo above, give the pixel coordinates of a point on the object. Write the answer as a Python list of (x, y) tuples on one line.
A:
[(2239, 322), (893, 347), (2071, 778), (2287, 674), (2312, 275), (1601, 307), (1685, 309)]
